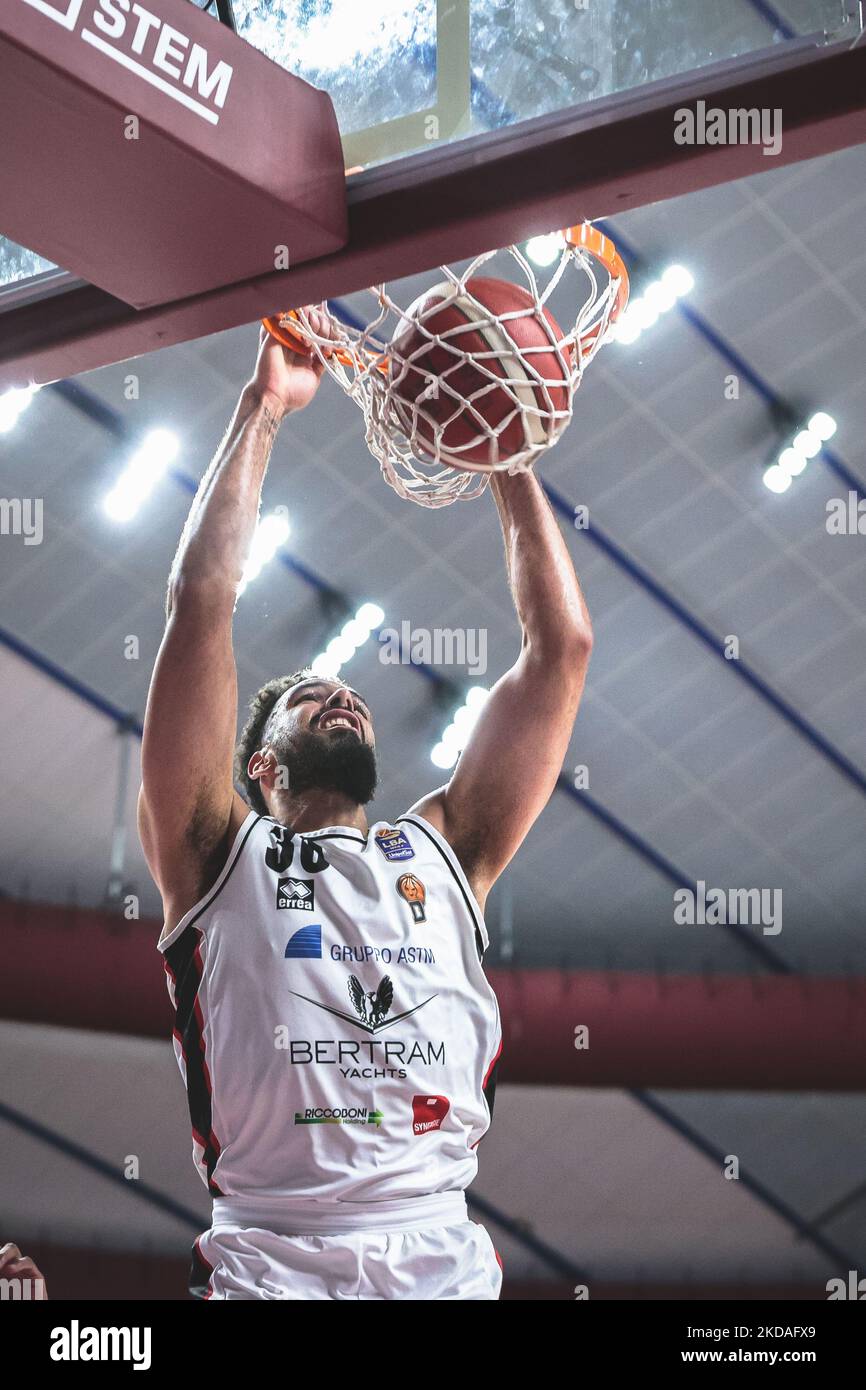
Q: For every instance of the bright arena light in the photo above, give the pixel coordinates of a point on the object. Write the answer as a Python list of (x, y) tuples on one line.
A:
[(476, 696), (823, 425), (271, 532), (625, 331), (443, 756), (805, 445), (323, 666), (371, 615), (792, 463), (343, 647), (776, 479), (643, 313), (658, 298), (456, 735), (679, 280), (543, 250), (138, 479), (340, 650), (13, 403)]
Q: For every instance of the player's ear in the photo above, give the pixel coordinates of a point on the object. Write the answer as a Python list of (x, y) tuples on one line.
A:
[(260, 763)]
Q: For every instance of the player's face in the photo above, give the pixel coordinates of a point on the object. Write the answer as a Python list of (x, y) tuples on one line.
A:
[(327, 708), (322, 734)]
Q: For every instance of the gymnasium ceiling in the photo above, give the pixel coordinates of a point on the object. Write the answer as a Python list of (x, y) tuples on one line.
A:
[(681, 751)]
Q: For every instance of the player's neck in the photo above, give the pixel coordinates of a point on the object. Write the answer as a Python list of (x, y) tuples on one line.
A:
[(313, 809)]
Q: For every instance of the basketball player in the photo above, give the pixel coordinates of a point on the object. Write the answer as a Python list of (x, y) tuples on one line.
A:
[(334, 1027)]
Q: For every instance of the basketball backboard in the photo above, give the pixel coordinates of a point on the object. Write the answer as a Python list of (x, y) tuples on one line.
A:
[(469, 116), (408, 74)]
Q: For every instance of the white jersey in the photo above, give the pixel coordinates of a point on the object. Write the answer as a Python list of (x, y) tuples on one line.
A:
[(335, 1030)]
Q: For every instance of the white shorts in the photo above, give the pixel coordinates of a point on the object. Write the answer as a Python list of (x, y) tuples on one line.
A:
[(405, 1260)]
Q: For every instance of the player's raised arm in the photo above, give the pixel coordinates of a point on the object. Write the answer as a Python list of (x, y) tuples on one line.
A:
[(511, 763), (188, 808)]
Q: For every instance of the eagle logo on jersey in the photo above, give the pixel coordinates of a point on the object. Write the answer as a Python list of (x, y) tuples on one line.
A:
[(372, 1006)]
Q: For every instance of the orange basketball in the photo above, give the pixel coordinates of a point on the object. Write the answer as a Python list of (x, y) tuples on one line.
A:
[(444, 375)]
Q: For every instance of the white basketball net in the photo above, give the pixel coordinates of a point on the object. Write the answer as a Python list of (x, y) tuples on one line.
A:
[(405, 437)]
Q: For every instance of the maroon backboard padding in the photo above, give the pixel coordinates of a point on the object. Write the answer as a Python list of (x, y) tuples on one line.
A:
[(234, 157), (80, 968), (609, 156)]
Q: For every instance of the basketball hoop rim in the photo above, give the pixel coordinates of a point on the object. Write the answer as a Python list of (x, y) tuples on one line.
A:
[(581, 237), (586, 237)]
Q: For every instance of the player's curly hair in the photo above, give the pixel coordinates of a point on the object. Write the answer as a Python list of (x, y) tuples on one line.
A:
[(251, 739)]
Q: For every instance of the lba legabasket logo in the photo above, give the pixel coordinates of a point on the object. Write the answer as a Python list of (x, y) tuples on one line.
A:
[(145, 45)]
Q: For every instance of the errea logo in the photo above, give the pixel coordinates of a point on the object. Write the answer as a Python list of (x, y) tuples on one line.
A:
[(140, 41)]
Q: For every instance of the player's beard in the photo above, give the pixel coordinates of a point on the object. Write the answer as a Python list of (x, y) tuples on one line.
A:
[(333, 762)]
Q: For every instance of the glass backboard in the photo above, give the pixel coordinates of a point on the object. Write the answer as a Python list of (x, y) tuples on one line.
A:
[(405, 74)]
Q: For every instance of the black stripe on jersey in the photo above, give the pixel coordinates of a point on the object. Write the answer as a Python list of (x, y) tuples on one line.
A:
[(489, 1084), (479, 939), (184, 962), (488, 1087), (320, 834), (332, 835), (184, 965), (199, 1274), (220, 884)]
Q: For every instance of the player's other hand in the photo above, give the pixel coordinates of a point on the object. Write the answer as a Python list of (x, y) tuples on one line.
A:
[(290, 379), (14, 1265)]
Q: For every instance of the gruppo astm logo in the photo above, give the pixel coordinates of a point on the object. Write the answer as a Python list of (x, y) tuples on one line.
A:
[(371, 1006), (305, 943), (137, 39)]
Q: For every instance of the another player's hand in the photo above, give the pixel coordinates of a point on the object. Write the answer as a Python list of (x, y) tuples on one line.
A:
[(14, 1265), (290, 379)]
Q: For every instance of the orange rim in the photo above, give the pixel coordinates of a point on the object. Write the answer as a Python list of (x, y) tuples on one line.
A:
[(584, 237), (295, 341)]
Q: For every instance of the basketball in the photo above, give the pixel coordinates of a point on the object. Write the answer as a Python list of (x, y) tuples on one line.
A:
[(446, 363)]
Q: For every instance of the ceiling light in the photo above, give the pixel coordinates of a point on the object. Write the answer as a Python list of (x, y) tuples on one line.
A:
[(13, 403), (678, 279), (806, 443), (543, 250), (791, 462), (776, 479), (143, 471), (822, 425)]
